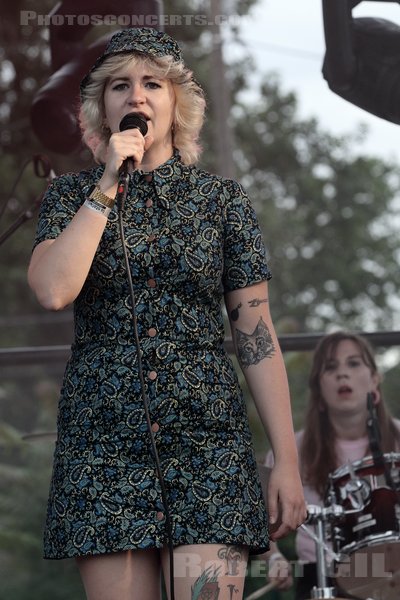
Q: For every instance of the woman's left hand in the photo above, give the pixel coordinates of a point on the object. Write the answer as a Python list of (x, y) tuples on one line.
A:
[(286, 505)]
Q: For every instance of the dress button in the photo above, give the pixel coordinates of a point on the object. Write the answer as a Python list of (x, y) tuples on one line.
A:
[(151, 283), (152, 332), (151, 237), (160, 515), (149, 202), (155, 427), (152, 375)]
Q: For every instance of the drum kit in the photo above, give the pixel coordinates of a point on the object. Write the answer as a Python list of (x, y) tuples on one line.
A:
[(361, 519), (357, 530)]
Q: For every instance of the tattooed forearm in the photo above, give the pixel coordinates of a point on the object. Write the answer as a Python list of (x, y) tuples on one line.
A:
[(256, 302), (254, 347)]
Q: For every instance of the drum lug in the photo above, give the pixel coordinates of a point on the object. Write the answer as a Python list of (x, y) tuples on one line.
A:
[(397, 514), (395, 477), (337, 537), (323, 593)]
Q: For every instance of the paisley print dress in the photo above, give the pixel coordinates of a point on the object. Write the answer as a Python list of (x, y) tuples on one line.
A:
[(190, 237)]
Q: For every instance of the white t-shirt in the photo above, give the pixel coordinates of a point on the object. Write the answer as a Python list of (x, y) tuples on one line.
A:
[(347, 452)]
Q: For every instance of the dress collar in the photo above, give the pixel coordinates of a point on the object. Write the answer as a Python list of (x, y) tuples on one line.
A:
[(165, 179), (165, 172)]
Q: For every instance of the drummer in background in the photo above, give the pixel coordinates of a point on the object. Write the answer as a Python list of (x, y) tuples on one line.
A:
[(343, 372)]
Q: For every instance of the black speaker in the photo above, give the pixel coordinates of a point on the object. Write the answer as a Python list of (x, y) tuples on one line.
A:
[(362, 59)]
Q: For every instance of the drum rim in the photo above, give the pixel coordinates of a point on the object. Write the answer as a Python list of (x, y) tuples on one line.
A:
[(366, 461), (369, 540)]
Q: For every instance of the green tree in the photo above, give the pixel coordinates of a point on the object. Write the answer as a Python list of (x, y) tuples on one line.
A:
[(329, 216)]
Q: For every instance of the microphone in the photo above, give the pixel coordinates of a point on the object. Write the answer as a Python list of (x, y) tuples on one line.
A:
[(131, 121)]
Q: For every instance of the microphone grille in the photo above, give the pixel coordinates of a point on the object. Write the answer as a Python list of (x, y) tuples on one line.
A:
[(133, 121)]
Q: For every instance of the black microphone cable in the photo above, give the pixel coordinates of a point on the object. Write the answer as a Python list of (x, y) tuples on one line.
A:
[(121, 197)]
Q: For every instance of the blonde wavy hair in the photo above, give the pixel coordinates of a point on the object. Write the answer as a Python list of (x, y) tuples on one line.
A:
[(189, 105)]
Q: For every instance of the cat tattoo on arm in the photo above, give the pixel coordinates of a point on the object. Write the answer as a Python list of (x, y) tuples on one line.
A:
[(254, 347)]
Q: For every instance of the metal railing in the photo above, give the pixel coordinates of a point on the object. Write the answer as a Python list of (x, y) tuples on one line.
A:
[(288, 343)]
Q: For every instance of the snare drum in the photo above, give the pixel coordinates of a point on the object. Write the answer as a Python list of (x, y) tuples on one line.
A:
[(367, 536)]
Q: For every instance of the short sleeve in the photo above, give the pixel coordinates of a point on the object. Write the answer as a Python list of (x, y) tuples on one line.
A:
[(245, 260), (61, 201)]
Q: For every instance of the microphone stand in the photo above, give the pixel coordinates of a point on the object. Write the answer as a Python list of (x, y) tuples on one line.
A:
[(24, 216), (42, 169), (374, 436)]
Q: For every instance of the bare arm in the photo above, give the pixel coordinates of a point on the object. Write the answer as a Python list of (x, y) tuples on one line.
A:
[(261, 360), (58, 268)]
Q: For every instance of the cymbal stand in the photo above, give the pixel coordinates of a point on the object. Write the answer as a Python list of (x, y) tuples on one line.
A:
[(318, 516)]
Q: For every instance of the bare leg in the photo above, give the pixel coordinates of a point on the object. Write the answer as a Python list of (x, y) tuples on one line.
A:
[(207, 571), (131, 575)]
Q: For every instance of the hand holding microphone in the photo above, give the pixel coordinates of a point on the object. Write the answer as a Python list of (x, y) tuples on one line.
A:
[(131, 121), (102, 200), (125, 150)]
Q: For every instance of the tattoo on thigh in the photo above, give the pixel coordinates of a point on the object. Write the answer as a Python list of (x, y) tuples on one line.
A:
[(233, 555), (254, 347), (206, 586), (232, 589)]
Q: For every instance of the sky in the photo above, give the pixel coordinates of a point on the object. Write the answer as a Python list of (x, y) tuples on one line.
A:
[(287, 36)]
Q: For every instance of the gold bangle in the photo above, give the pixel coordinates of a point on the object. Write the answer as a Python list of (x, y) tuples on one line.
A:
[(97, 195)]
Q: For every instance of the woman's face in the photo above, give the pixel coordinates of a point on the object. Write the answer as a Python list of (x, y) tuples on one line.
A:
[(345, 381), (135, 89)]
